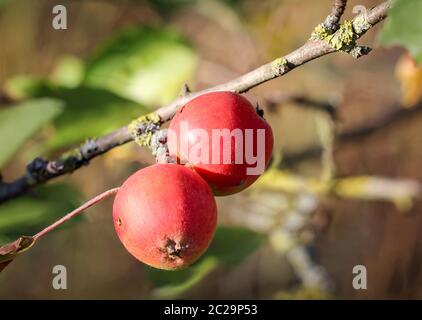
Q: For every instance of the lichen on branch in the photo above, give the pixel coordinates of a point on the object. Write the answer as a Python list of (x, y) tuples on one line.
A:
[(280, 65), (345, 38), (146, 132), (142, 128)]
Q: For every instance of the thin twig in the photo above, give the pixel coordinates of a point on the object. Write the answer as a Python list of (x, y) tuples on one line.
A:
[(40, 171), (355, 134), (332, 21), (273, 102)]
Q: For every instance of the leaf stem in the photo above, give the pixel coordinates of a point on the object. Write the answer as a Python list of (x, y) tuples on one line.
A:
[(77, 211)]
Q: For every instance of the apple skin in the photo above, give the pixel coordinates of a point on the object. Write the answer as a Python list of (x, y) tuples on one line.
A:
[(165, 215), (220, 110)]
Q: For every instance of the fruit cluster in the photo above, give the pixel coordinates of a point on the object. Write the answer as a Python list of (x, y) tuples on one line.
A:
[(165, 215)]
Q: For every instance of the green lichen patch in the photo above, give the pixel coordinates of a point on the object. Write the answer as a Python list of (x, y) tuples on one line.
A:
[(344, 39), (320, 33), (279, 64), (144, 127)]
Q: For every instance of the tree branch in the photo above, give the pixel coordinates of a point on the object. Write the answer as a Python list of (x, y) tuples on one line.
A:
[(40, 171), (275, 100)]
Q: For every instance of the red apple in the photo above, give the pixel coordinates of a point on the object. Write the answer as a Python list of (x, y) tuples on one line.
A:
[(165, 215), (239, 140)]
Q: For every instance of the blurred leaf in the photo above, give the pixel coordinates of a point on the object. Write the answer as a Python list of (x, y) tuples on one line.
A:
[(144, 64), (409, 75), (166, 7), (88, 112), (68, 72), (169, 6), (3, 3), (404, 27), (172, 283), (236, 4), (229, 247), (32, 212), (20, 122), (286, 181), (24, 87), (401, 191)]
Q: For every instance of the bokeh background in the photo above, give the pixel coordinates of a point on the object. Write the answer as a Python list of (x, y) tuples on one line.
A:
[(340, 191)]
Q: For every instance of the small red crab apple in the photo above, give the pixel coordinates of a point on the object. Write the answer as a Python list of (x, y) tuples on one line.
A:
[(224, 138), (165, 215)]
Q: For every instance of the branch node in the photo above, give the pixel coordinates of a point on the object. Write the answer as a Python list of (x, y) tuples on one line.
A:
[(360, 51), (36, 170), (89, 148)]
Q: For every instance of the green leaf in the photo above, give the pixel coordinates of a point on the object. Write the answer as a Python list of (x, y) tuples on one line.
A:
[(144, 64), (404, 27), (32, 212), (24, 87), (68, 72), (172, 283), (20, 122), (170, 6), (228, 248), (231, 245), (90, 112)]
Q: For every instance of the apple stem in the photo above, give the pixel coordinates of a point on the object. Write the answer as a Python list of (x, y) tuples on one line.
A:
[(159, 147), (77, 211)]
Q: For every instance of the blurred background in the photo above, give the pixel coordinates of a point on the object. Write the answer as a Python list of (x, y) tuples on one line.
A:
[(342, 190)]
